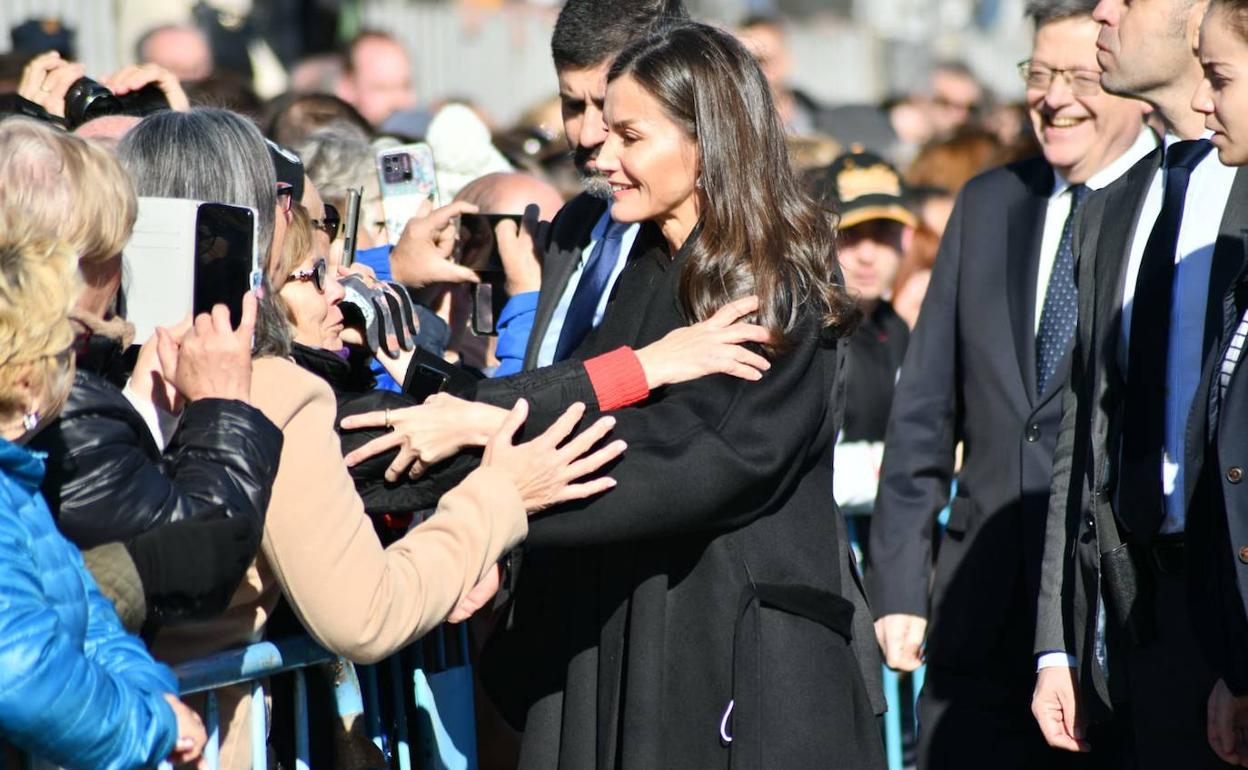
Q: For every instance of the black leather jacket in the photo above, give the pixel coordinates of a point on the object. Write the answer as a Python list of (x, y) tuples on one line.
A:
[(107, 481)]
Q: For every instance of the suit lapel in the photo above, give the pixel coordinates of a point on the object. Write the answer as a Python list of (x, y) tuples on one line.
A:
[(1025, 228), (1118, 225), (569, 236)]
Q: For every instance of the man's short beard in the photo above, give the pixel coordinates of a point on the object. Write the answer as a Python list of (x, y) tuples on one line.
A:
[(594, 181)]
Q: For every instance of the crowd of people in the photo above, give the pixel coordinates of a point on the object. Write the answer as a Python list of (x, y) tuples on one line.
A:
[(772, 392)]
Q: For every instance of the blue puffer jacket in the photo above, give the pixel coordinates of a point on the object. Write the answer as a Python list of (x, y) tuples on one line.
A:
[(75, 689)]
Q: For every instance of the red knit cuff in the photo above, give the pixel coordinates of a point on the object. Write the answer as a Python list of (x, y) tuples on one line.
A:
[(618, 379)]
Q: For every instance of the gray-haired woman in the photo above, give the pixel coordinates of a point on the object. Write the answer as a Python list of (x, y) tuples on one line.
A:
[(319, 548)]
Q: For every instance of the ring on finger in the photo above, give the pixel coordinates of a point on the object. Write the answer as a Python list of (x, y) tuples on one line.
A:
[(387, 417)]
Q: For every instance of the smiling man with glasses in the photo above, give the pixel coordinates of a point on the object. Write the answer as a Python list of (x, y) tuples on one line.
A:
[(985, 366)]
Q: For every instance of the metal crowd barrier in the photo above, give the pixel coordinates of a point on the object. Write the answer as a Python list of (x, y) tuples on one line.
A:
[(424, 719)]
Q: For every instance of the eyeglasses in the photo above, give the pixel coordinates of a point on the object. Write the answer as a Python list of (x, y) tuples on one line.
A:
[(285, 196), (1082, 82), (315, 274), (330, 224)]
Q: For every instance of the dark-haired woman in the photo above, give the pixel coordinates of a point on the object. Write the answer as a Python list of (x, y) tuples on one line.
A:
[(694, 618)]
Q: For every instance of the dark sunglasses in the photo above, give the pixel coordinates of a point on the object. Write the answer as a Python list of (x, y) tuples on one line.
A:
[(315, 274), (285, 196), (330, 225)]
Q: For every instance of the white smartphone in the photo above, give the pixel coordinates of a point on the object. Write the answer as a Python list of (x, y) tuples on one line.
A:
[(407, 180)]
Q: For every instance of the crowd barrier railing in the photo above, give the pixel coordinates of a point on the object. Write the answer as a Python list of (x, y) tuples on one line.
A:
[(424, 719)]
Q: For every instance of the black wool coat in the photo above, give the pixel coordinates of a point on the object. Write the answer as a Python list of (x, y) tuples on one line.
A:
[(701, 598)]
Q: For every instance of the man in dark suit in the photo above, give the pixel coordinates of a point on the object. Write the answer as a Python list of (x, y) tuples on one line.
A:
[(1156, 252), (580, 269), (985, 367)]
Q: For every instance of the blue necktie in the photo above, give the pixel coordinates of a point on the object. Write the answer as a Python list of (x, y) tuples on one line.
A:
[(1061, 300), (594, 276), (1141, 499)]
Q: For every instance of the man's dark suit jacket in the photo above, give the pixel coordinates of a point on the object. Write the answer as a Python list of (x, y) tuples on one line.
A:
[(570, 233), (969, 375), (1085, 466)]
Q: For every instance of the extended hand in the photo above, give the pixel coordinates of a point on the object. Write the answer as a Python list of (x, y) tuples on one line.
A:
[(543, 471), (1055, 705), (425, 434), (713, 346), (901, 639), (1228, 725)]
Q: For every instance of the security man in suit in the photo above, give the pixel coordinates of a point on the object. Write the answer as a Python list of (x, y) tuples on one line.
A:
[(1156, 252), (985, 368)]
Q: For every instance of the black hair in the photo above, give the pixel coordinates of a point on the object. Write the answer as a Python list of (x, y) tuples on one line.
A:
[(590, 33), (1046, 11)]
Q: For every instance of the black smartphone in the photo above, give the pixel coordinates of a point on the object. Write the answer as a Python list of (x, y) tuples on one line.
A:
[(477, 248), (352, 229), (225, 257)]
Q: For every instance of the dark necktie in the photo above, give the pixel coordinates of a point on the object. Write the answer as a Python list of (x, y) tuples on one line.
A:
[(1061, 300), (594, 276), (1140, 494)]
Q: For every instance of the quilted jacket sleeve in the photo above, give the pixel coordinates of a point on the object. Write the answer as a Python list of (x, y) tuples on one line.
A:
[(224, 454), (94, 705)]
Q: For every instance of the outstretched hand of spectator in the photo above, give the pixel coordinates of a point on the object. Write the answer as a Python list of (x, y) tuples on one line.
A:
[(423, 254), (546, 470), (138, 76), (46, 80), (189, 747), (713, 346), (425, 434)]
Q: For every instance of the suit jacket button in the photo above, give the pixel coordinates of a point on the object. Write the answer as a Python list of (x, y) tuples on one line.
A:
[(1235, 475), (1033, 433), (1243, 555)]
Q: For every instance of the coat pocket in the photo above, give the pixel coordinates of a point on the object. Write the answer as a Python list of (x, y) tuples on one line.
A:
[(797, 690)]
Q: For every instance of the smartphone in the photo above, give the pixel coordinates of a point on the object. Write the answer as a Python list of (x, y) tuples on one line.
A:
[(350, 233), (225, 258), (407, 181), (186, 256), (477, 248)]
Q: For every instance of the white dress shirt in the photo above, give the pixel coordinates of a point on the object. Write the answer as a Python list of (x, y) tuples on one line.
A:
[(1207, 194), (1059, 208), (546, 353)]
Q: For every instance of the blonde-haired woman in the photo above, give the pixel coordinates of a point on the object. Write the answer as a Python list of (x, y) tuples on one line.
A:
[(74, 687), (209, 478)]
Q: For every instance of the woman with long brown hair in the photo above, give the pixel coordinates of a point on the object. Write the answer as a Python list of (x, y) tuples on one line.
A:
[(694, 617)]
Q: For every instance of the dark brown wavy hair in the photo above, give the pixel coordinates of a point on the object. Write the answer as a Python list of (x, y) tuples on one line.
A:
[(760, 233)]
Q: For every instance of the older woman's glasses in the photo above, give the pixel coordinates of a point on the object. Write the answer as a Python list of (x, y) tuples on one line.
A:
[(315, 274), (330, 224), (285, 196), (1082, 82)]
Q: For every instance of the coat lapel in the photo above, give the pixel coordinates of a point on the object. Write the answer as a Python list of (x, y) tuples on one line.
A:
[(1025, 228), (1220, 319)]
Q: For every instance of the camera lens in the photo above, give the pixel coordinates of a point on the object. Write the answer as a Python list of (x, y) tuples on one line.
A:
[(86, 99)]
